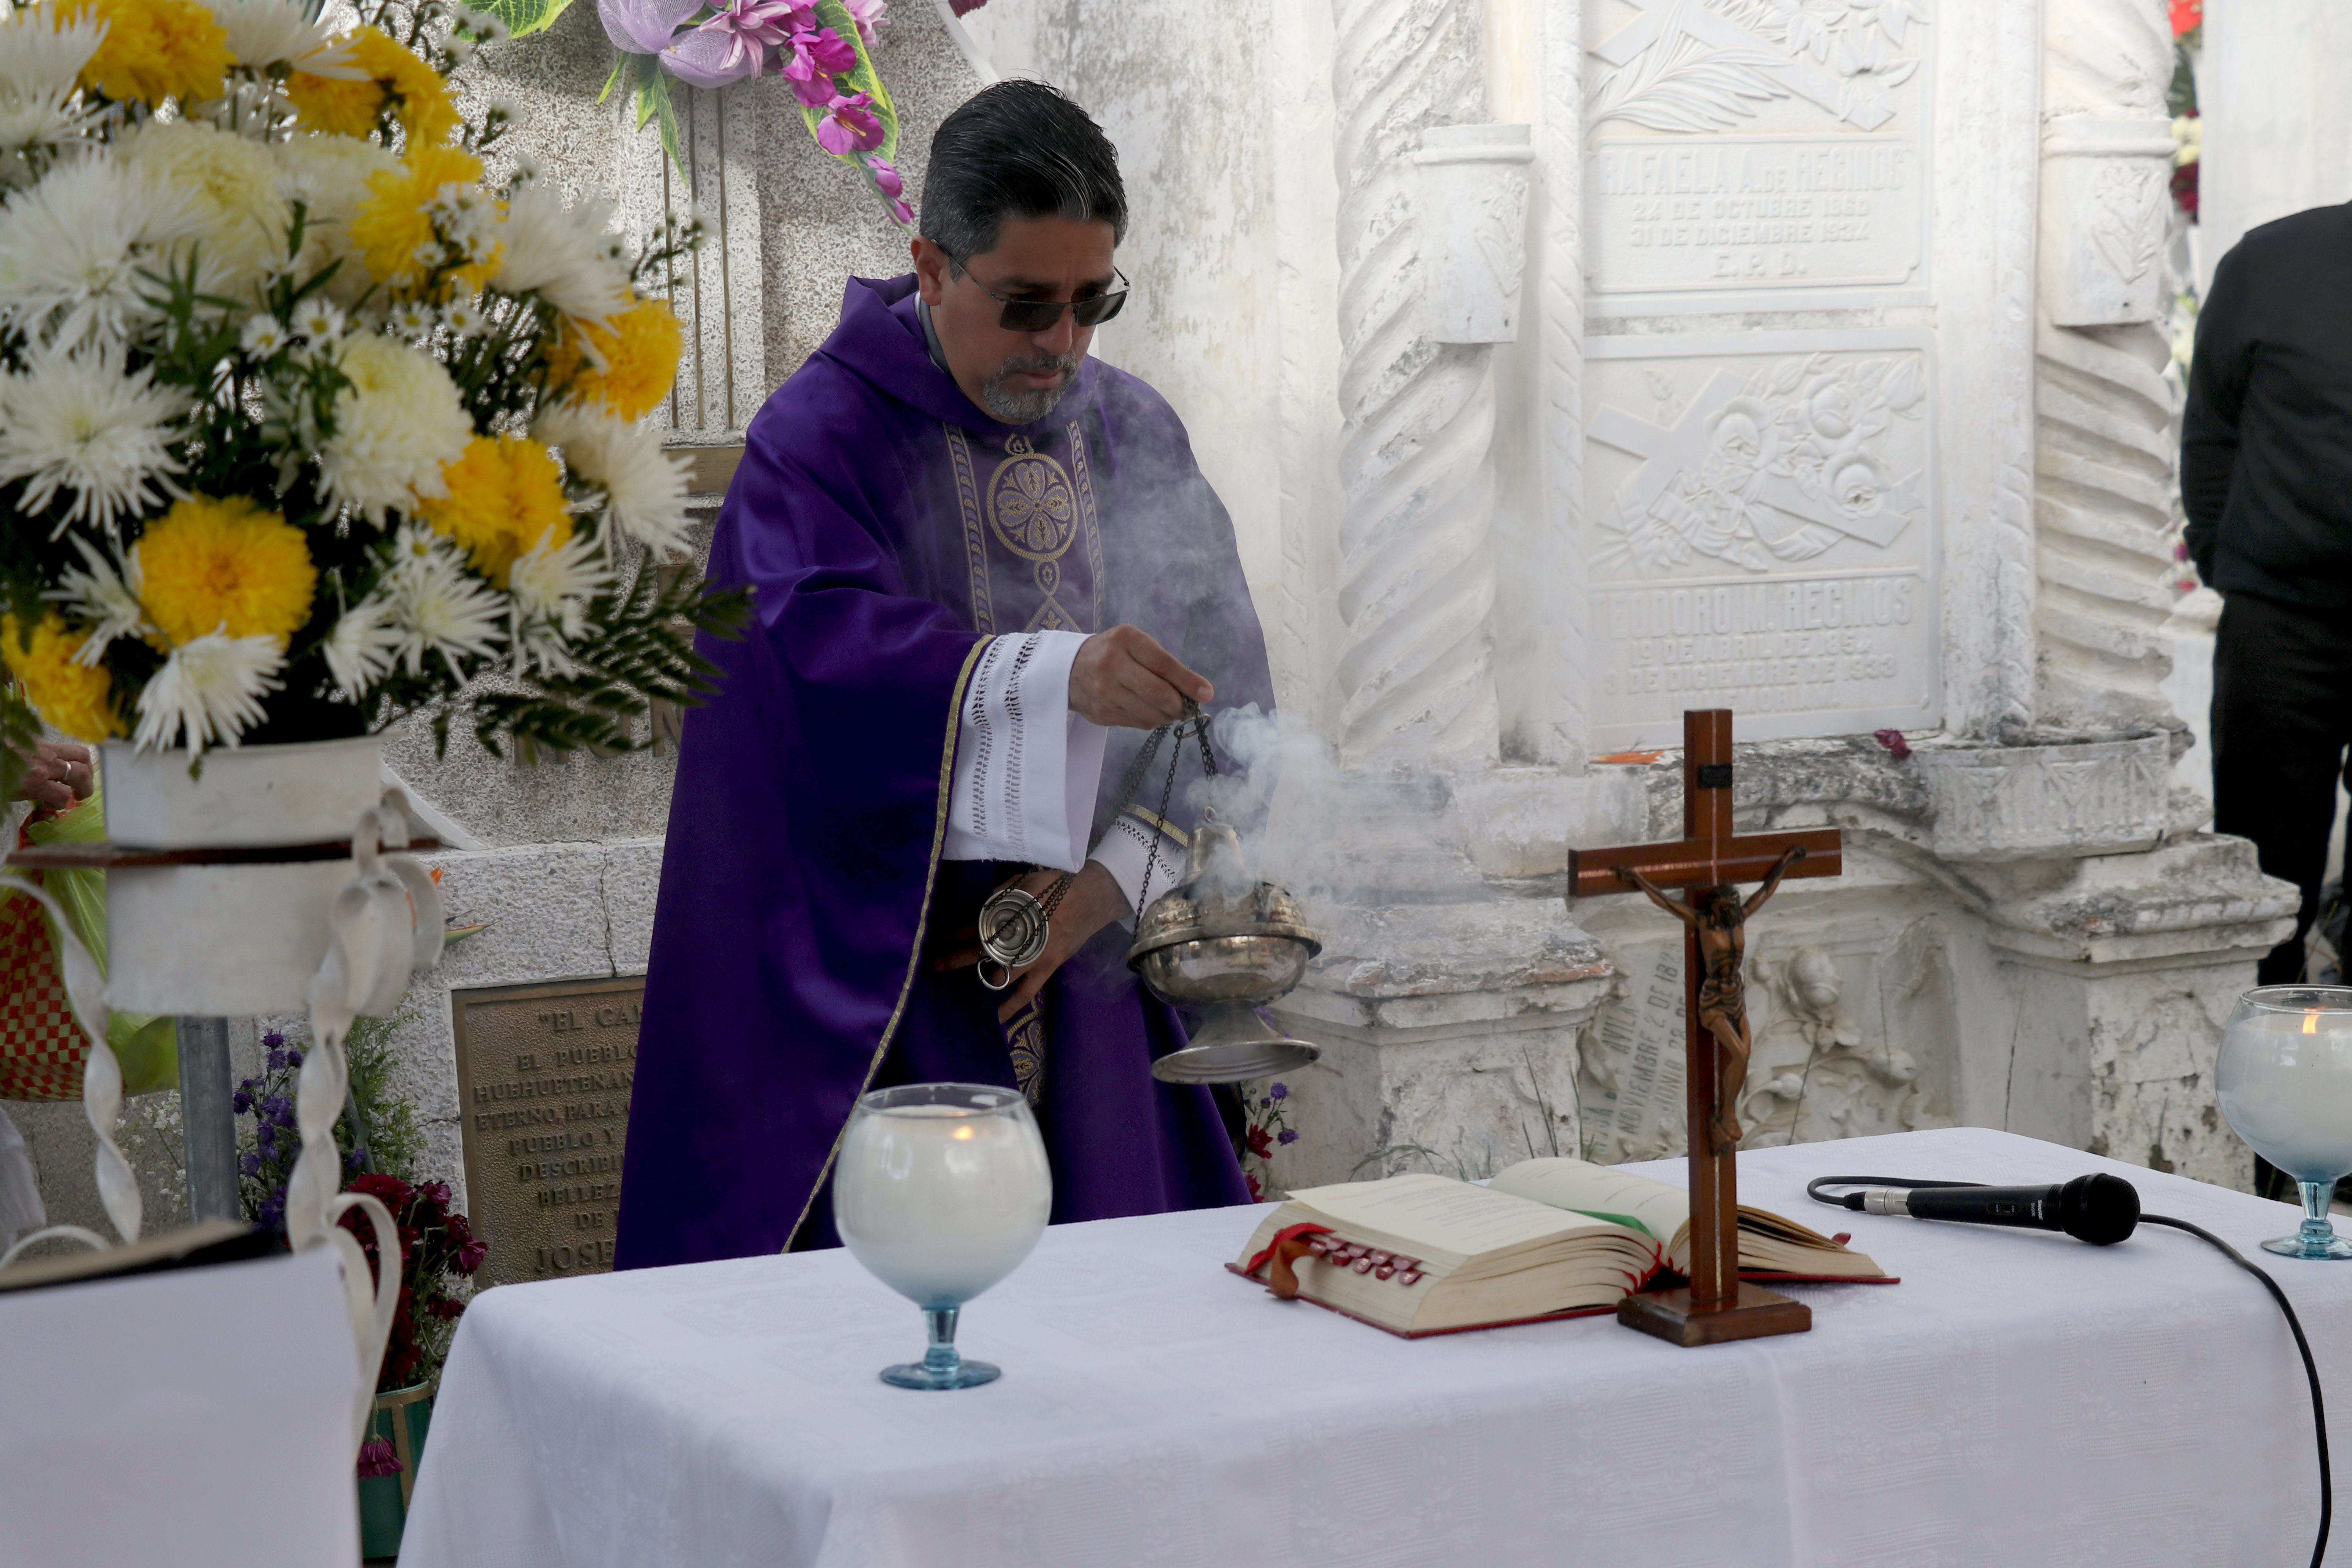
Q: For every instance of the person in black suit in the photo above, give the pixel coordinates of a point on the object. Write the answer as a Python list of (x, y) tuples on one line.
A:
[(2266, 479)]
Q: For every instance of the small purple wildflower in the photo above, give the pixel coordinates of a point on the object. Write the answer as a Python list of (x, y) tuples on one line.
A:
[(273, 1039), (242, 1101), (1280, 1091), (294, 1057), (249, 1163), (1286, 1136)]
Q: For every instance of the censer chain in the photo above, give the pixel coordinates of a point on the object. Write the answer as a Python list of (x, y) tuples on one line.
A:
[(1014, 925)]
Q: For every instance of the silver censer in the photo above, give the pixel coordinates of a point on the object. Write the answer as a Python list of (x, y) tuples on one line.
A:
[(1222, 946)]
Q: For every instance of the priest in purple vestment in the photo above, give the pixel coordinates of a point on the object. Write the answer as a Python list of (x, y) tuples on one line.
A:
[(984, 566)]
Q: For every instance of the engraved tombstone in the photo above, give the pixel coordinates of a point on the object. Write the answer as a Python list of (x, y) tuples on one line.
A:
[(544, 1077), (1760, 504)]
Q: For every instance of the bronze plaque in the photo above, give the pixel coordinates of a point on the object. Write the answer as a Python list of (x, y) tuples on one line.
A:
[(543, 1076)]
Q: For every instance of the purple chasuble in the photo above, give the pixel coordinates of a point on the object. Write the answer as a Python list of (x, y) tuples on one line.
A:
[(887, 528)]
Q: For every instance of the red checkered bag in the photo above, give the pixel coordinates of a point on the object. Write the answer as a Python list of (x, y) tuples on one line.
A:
[(42, 1049)]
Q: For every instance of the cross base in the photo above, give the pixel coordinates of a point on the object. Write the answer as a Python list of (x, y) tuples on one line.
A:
[(1757, 1313)]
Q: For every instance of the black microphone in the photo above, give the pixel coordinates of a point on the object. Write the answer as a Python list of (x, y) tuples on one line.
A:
[(2101, 1209)]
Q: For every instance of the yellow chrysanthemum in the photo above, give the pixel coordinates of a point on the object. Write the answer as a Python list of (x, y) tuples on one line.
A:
[(225, 566), (638, 351), (74, 698), (393, 225), (396, 77), (154, 49), (505, 495)]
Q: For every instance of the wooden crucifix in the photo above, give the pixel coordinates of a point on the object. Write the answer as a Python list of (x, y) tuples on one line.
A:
[(1708, 863)]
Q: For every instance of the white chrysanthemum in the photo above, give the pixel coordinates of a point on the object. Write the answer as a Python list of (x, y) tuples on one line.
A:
[(362, 649), (565, 255), (208, 692), (237, 191), (41, 58), (395, 425), (78, 422), (105, 598), (436, 606), (413, 318), (71, 249), (265, 33), (463, 316), (329, 175), (645, 487), (551, 585)]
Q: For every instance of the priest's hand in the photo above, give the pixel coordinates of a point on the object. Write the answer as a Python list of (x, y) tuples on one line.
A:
[(1093, 901), (1122, 677), (58, 776)]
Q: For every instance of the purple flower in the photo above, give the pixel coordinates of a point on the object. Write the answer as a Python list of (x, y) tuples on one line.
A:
[(699, 60), (376, 1459), (849, 127), (818, 54), (276, 1107), (887, 178), (1286, 1136), (268, 1139), (242, 1101), (294, 1057), (901, 211), (277, 1057), (1894, 742), (273, 1039), (249, 1163), (352, 1160), (1280, 1091), (643, 26)]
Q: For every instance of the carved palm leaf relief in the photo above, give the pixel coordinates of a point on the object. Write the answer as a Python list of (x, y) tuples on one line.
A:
[(1706, 65)]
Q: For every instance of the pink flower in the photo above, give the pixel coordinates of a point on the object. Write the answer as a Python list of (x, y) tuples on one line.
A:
[(849, 127), (751, 26), (1894, 742), (376, 1459), (900, 211), (818, 56), (887, 178), (870, 17)]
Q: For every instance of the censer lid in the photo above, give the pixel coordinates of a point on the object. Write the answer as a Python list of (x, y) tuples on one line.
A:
[(1201, 909)]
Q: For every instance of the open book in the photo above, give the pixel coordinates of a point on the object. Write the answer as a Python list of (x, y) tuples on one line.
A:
[(1428, 1254)]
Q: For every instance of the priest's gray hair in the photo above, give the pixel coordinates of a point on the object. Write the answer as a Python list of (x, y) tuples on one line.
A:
[(1017, 149)]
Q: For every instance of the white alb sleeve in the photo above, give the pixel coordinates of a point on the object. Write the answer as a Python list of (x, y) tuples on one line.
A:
[(1127, 853), (1026, 768)]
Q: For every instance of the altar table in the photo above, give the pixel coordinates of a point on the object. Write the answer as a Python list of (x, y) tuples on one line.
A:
[(2020, 1399)]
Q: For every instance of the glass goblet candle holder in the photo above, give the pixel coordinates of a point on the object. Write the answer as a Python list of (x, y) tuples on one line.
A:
[(941, 1191), (2285, 1081)]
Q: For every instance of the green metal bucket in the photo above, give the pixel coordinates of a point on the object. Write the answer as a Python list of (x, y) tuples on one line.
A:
[(401, 1419)]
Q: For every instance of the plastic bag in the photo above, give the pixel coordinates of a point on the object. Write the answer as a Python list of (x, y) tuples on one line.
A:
[(41, 1048)]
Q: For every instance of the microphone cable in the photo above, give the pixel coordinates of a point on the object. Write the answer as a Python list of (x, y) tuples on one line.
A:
[(2295, 1325)]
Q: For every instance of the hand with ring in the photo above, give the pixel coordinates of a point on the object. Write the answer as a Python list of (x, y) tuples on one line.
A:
[(59, 776)]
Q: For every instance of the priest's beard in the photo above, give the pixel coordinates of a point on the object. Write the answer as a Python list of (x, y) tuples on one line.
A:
[(1027, 407)]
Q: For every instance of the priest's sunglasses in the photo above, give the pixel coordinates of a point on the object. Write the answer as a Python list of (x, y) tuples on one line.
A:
[(1039, 315)]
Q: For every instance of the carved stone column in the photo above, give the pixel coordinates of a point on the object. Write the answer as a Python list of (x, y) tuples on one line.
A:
[(2103, 410), (1416, 570)]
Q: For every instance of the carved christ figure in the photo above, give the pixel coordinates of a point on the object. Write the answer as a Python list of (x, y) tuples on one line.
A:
[(1720, 921)]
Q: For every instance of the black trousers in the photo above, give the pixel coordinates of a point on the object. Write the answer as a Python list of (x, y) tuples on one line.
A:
[(2282, 721)]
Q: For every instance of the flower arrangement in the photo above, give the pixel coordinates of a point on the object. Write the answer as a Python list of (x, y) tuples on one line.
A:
[(305, 425), (439, 1252), (1267, 1124), (820, 48)]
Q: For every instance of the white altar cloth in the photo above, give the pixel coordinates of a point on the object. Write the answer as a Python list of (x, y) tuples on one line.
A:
[(195, 1418), (2020, 1399)]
